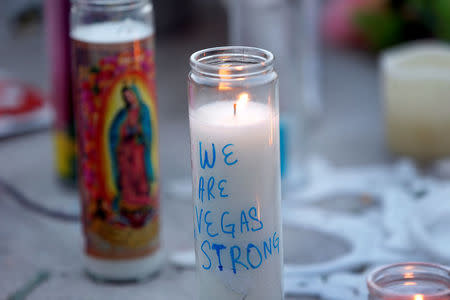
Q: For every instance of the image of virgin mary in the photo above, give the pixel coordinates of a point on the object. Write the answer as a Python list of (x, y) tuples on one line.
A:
[(130, 138)]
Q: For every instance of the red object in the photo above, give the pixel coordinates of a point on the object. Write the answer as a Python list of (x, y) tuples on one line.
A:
[(131, 154), (17, 98), (58, 41)]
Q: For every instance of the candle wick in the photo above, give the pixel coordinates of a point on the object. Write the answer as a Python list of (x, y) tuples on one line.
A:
[(234, 106)]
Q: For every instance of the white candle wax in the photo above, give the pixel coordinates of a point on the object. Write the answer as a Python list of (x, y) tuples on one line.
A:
[(237, 223), (112, 32)]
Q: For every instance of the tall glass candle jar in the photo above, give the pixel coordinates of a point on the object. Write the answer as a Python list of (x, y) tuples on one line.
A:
[(289, 30), (117, 127), (235, 155), (410, 281)]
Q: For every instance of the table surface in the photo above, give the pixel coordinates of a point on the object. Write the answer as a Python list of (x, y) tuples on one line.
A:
[(349, 132)]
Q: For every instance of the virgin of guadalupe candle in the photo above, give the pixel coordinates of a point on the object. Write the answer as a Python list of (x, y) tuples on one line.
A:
[(235, 155), (115, 101)]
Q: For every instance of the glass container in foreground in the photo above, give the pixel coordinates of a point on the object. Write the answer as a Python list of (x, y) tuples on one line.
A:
[(410, 281), (235, 151)]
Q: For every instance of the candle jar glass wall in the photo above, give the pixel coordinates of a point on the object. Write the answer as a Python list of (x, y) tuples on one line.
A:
[(89, 12), (233, 73), (117, 136), (410, 281), (235, 151)]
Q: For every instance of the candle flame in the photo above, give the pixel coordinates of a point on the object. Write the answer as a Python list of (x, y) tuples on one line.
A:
[(408, 275), (418, 297), (241, 103), (243, 99), (410, 283)]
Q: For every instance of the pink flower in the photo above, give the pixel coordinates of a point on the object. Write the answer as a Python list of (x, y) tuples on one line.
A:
[(338, 22)]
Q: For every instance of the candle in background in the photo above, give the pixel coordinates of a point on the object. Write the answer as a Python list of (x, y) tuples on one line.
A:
[(234, 127), (289, 30), (416, 84), (116, 116), (57, 28), (410, 281)]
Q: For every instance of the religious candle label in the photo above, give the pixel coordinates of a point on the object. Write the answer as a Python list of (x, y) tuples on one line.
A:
[(118, 146), (228, 238)]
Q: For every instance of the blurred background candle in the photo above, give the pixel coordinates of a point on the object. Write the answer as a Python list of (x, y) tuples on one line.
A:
[(410, 281), (57, 21), (289, 29), (115, 100), (416, 84), (234, 123)]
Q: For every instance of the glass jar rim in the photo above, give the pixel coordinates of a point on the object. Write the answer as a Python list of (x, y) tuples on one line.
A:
[(433, 269), (111, 4), (231, 62)]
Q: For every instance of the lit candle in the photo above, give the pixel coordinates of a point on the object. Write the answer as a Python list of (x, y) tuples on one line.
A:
[(410, 281), (116, 115), (236, 191), (112, 32)]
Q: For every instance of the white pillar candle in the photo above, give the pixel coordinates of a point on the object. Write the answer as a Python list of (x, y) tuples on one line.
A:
[(416, 86), (236, 180)]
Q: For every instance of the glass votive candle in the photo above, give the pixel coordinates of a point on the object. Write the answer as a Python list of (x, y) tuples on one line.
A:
[(235, 160), (410, 281), (416, 85)]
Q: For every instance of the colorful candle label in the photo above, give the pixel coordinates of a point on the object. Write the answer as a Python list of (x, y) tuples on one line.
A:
[(118, 147)]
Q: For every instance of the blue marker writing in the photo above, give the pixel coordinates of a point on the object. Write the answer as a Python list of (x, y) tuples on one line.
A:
[(235, 258), (232, 226), (199, 219), (228, 161), (254, 217), (276, 242), (208, 224), (210, 187), (221, 188), (206, 255), (206, 162), (201, 188), (244, 221), (249, 251), (267, 248), (218, 248)]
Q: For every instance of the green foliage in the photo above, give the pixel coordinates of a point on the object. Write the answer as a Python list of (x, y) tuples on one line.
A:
[(403, 20), (381, 29), (441, 10)]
